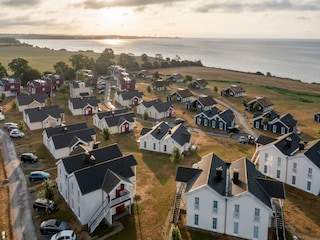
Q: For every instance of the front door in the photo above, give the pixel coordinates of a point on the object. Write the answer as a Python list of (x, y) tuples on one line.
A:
[(119, 209)]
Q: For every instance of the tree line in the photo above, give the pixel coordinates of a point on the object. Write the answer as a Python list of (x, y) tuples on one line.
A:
[(20, 67)]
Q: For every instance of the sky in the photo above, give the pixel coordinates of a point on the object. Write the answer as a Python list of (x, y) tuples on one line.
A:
[(164, 18)]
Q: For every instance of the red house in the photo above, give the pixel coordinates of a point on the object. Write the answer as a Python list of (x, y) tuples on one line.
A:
[(55, 80), (10, 86), (39, 86)]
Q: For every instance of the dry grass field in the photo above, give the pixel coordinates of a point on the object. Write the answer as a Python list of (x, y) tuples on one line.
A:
[(155, 172)]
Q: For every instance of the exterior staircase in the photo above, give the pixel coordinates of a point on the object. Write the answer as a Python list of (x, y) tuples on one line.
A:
[(97, 217), (279, 221), (176, 207)]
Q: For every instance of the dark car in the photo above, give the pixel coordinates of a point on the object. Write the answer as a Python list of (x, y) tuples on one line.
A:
[(38, 176), (28, 157), (179, 120), (53, 226), (45, 205), (233, 129)]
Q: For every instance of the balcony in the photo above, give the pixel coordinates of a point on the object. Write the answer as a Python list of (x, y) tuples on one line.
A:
[(124, 196)]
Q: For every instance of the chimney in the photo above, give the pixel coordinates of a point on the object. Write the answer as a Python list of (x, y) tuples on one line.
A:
[(288, 142), (92, 160), (301, 145), (219, 173), (235, 175), (159, 130)]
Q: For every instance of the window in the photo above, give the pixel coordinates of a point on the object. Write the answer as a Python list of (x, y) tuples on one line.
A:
[(266, 156), (279, 161), (214, 223), (274, 128), (294, 169), (213, 123), (257, 124), (215, 206), (165, 148), (236, 210), (256, 214), (265, 127), (196, 219), (221, 125), (308, 185), (144, 144), (205, 122), (265, 169), (79, 212), (154, 146), (255, 232), (235, 228), (196, 202), (283, 130), (293, 180), (199, 121), (278, 173), (309, 172)]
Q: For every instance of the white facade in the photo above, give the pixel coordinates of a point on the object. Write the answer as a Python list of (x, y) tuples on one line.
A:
[(34, 104), (48, 122), (296, 170)]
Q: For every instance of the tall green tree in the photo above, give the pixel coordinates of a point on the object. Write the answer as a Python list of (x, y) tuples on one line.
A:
[(48, 192), (80, 61), (106, 134), (3, 71), (65, 89), (176, 156), (65, 70), (175, 233), (105, 59)]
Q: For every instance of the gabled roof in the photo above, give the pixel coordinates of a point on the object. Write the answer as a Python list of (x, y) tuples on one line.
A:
[(243, 177), (111, 180), (270, 115), (206, 101), (163, 107), (80, 103), (40, 114), (77, 84), (93, 177), (8, 81), (180, 134), (104, 114), (150, 103), (201, 82), (184, 93), (160, 130), (227, 115), (65, 139), (24, 99), (82, 160), (66, 128), (288, 143), (130, 94), (264, 140), (210, 113), (118, 119), (288, 120), (236, 89), (312, 151), (159, 83), (264, 101)]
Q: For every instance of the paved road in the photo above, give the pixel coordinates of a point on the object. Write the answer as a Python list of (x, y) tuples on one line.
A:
[(23, 223)]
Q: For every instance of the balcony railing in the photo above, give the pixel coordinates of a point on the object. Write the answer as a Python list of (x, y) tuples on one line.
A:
[(125, 195)]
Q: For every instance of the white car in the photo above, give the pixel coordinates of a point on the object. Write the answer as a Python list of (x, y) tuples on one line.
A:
[(2, 117), (16, 133), (9, 124), (65, 234)]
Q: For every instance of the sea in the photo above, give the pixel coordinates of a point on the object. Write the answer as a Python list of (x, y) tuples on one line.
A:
[(297, 59)]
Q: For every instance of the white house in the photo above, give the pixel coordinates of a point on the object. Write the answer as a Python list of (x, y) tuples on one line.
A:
[(128, 98), (31, 101), (181, 95), (80, 89), (48, 132), (60, 145), (291, 160), (83, 105), (156, 109), (162, 138), (97, 185), (96, 118), (117, 123), (43, 117), (230, 198)]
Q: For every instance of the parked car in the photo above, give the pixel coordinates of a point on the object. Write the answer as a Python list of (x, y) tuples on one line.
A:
[(65, 234), (8, 124), (53, 226), (45, 205), (38, 176), (11, 127), (179, 120), (233, 129), (243, 139), (2, 117), (28, 157), (16, 133)]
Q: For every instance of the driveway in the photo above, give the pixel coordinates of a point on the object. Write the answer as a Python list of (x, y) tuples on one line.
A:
[(23, 222)]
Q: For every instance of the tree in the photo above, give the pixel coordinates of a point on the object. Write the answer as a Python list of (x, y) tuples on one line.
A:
[(176, 156), (159, 56), (175, 233), (105, 59), (3, 71), (265, 121), (255, 106), (188, 78), (64, 89), (22, 125), (149, 89), (106, 134), (145, 115), (18, 66), (14, 105), (65, 70), (144, 57), (48, 190), (49, 101), (215, 89), (3, 96), (80, 61)]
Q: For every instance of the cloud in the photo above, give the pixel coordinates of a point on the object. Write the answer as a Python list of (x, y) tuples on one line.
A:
[(99, 4), (15, 3), (253, 6), (26, 21)]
